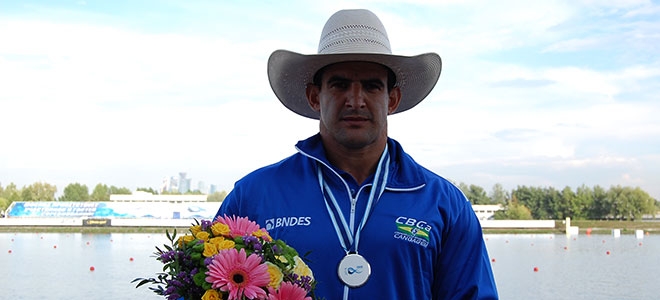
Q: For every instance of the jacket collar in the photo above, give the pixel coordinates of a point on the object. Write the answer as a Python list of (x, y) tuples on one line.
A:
[(405, 173)]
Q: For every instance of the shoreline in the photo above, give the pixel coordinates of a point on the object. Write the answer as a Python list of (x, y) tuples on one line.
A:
[(585, 227)]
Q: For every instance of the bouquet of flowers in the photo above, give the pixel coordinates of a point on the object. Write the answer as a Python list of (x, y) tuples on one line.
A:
[(230, 258)]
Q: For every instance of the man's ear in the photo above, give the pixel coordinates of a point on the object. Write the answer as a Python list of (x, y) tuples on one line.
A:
[(312, 92), (395, 99)]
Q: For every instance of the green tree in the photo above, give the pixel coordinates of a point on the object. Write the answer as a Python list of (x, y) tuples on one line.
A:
[(172, 192), (75, 192), (217, 197), (631, 204), (39, 191), (474, 193), (600, 206), (552, 206), (563, 203), (514, 211), (498, 195), (119, 191), (27, 195), (148, 190), (534, 199), (616, 198), (101, 192), (4, 204), (584, 200), (11, 193)]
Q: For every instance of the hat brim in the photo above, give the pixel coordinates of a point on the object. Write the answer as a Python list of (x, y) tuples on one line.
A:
[(290, 72)]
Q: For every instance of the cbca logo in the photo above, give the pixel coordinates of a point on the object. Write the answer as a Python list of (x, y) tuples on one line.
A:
[(413, 230)]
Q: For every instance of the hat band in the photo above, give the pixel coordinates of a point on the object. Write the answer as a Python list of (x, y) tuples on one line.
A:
[(354, 37)]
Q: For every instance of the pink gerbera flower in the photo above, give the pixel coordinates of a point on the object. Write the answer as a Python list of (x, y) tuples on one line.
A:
[(241, 275), (288, 291), (239, 226)]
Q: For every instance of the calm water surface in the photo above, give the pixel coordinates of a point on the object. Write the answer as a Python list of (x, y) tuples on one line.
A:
[(57, 266)]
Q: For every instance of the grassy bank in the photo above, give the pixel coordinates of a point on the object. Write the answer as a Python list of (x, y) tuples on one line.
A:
[(597, 227), (627, 227), (82, 229)]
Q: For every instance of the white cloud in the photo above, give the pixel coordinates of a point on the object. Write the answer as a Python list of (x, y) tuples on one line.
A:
[(89, 96)]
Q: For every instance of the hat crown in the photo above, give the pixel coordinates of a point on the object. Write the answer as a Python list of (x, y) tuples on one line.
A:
[(354, 31)]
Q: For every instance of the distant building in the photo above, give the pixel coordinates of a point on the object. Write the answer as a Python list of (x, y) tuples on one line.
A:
[(169, 184), (485, 212), (184, 183), (140, 196)]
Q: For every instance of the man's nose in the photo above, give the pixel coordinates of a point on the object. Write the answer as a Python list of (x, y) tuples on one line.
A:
[(355, 97)]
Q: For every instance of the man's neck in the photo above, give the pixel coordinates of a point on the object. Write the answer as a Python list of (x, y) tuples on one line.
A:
[(360, 163)]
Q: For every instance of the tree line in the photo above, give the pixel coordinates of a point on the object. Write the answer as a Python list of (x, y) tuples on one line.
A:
[(41, 191), (584, 203), (523, 202)]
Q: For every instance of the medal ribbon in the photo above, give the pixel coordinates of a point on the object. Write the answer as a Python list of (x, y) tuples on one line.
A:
[(378, 186)]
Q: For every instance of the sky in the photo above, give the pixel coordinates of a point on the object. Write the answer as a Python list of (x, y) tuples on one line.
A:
[(126, 93)]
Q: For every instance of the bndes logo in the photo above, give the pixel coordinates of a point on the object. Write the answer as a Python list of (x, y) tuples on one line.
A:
[(287, 222)]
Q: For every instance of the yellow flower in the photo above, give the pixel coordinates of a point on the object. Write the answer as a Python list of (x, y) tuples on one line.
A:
[(226, 244), (210, 249), (261, 233), (211, 295), (301, 268), (203, 235), (195, 229), (220, 229), (185, 239), (275, 275), (216, 240), (281, 258)]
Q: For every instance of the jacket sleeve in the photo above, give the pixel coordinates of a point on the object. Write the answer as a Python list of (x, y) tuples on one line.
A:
[(230, 204), (464, 270)]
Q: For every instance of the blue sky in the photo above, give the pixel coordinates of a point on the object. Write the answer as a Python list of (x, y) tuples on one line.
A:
[(536, 93)]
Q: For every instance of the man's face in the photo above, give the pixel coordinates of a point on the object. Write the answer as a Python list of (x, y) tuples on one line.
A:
[(353, 103)]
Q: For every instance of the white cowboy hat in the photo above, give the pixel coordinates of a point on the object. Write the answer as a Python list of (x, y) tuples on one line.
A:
[(351, 35)]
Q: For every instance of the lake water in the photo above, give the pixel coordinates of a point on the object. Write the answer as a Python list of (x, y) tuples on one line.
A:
[(540, 266)]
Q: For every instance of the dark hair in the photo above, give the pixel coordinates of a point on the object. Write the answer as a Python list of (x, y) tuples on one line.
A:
[(391, 78)]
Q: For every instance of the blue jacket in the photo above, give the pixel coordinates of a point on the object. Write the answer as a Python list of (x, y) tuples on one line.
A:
[(422, 238)]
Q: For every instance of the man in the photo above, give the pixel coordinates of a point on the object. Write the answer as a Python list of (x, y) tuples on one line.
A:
[(375, 224)]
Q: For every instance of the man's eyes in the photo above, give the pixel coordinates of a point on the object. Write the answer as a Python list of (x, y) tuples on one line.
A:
[(369, 86), (339, 84)]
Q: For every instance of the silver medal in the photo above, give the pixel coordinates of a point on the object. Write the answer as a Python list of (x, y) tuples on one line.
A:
[(354, 270)]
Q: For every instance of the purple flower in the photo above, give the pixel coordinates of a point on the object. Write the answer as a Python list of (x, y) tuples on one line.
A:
[(168, 256), (206, 224), (276, 250)]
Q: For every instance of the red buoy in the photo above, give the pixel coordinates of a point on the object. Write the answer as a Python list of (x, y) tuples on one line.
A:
[(536, 269), (92, 268), (131, 259)]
